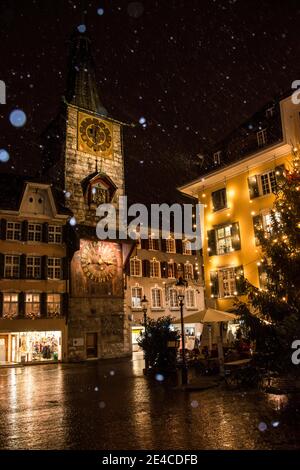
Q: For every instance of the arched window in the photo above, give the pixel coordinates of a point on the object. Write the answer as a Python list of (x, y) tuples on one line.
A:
[(154, 268), (136, 296), (170, 245), (156, 297), (135, 267), (173, 298), (188, 271)]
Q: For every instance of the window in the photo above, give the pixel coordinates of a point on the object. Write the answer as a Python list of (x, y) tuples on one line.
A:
[(270, 112), (54, 268), (33, 267), (53, 305), (173, 298), (217, 157), (34, 232), (268, 183), (188, 271), (263, 277), (153, 244), (190, 298), (170, 245), (136, 297), (171, 270), (261, 137), (227, 282), (219, 199), (154, 268), (100, 193), (224, 240), (156, 297), (135, 267), (32, 305), (12, 266), (186, 247), (10, 305), (13, 231), (54, 234)]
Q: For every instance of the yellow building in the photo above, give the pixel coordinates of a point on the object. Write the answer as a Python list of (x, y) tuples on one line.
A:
[(238, 195)]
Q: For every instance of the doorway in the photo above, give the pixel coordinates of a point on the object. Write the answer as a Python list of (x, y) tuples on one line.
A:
[(91, 345), (3, 348)]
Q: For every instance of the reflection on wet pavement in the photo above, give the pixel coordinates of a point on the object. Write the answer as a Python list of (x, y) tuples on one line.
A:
[(112, 406)]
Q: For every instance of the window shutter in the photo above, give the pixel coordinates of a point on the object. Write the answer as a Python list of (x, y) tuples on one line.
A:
[(144, 243), (2, 260), (65, 267), (65, 233), (23, 266), (45, 232), (214, 279), (239, 283), (253, 187), (179, 248), (45, 267), (175, 270), (163, 245), (24, 231), (257, 222), (127, 268), (21, 304), (196, 273), (1, 304), (64, 303), (43, 304), (211, 235), (3, 229), (235, 236), (146, 268), (164, 269)]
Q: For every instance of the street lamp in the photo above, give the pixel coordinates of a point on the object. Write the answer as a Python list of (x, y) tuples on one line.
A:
[(144, 303), (180, 286)]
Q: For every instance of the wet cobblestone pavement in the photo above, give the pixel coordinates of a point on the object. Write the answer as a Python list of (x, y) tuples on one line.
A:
[(112, 406)]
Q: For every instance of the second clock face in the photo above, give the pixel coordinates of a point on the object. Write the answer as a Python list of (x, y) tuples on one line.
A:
[(95, 135), (98, 261)]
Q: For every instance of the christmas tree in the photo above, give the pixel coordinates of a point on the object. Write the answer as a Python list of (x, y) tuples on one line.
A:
[(271, 315)]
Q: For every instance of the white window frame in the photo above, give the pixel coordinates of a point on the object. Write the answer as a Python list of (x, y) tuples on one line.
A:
[(135, 304), (262, 137), (173, 299), (33, 267), (54, 268), (190, 298), (153, 271), (152, 242), (227, 245), (155, 305), (267, 183), (12, 266), (186, 247), (55, 231), (227, 282), (35, 233), (188, 273), (53, 305), (13, 231), (32, 305), (170, 245), (135, 267), (10, 307)]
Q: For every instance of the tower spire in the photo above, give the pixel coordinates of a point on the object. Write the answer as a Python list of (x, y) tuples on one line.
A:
[(81, 85)]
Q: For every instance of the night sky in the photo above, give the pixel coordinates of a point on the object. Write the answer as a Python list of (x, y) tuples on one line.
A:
[(194, 69)]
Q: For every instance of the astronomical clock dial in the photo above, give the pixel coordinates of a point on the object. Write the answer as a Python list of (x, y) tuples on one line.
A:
[(98, 262), (95, 135)]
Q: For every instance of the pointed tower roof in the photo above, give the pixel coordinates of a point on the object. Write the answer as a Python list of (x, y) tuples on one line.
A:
[(82, 86)]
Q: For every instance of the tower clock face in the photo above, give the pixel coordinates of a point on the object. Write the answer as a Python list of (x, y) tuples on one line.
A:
[(98, 261), (95, 135)]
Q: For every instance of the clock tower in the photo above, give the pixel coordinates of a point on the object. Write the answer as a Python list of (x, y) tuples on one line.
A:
[(89, 170)]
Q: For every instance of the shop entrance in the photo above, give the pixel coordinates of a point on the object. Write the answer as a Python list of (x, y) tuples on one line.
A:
[(91, 345), (3, 348)]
